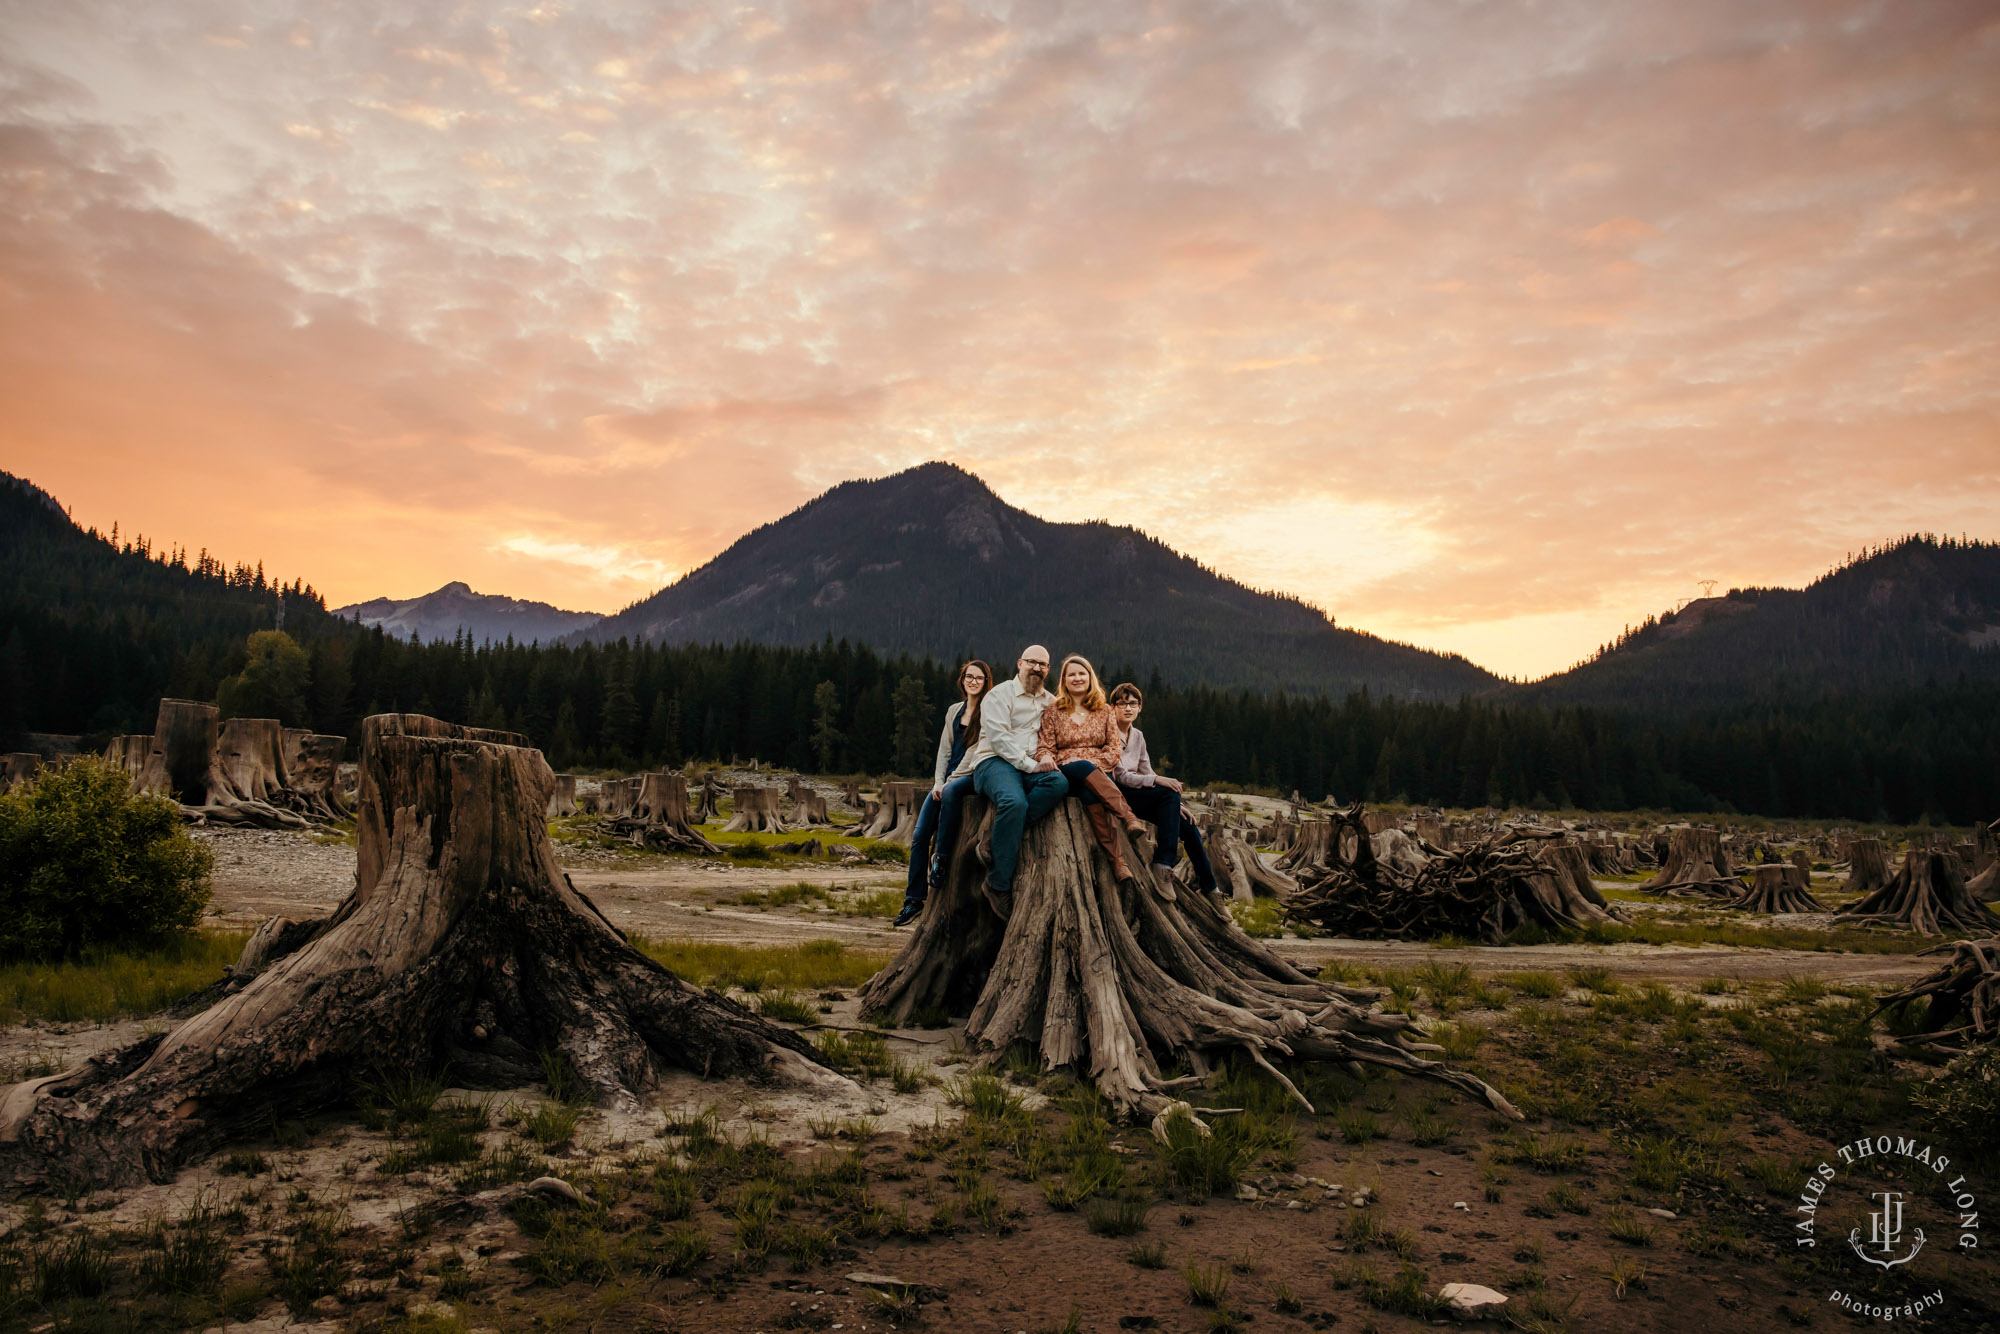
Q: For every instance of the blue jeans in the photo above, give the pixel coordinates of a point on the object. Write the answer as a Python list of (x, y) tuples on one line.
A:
[(1161, 808), (930, 843), (1204, 874), (1018, 801), (1078, 773)]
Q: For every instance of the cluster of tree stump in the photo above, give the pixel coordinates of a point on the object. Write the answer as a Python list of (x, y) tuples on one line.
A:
[(894, 819), (243, 771), (1694, 864), (462, 945), (1355, 882), (1119, 982)]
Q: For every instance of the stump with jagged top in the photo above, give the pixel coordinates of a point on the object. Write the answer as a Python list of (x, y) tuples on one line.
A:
[(462, 947), (1119, 983)]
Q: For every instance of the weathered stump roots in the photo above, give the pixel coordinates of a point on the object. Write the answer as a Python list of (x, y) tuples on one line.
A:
[(462, 945), (1484, 891), (1118, 983), (1963, 997), (1779, 887), (1928, 895)]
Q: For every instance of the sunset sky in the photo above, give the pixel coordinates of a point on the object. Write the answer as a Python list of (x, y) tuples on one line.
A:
[(1492, 327)]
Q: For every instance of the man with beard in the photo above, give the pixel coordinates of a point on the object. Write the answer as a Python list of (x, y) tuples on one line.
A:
[(1004, 769)]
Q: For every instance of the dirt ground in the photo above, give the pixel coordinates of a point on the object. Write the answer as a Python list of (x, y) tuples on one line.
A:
[(1287, 1242)]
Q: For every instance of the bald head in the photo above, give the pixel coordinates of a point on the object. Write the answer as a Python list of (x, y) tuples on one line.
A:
[(1033, 667)]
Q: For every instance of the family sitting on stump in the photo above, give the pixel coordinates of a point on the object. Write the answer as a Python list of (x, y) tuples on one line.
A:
[(1024, 749)]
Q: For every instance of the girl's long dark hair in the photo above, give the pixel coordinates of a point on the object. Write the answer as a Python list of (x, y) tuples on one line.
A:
[(971, 715)]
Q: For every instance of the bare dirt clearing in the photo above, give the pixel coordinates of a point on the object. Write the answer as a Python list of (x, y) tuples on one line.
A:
[(260, 874)]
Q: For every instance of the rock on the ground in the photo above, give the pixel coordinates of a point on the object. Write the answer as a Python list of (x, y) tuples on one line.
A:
[(1472, 1299)]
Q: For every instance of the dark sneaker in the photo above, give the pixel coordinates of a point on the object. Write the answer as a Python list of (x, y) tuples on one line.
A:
[(1000, 900), (911, 911)]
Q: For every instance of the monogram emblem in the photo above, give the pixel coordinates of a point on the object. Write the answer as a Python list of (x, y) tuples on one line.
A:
[(1885, 1233)]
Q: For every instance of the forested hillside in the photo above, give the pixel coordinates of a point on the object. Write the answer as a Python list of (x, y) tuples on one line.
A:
[(93, 633)]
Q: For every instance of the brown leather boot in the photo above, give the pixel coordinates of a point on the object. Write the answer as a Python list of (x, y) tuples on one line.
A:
[(1107, 792), (1107, 838)]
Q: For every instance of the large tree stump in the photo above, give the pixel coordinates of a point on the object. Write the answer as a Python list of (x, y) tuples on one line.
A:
[(1243, 870), (1779, 887), (1985, 847), (756, 812), (1867, 866), (895, 820), (1694, 864), (251, 755), (129, 753), (462, 946), (312, 770), (1117, 984), (19, 769), (562, 797), (660, 817), (810, 811), (1309, 849), (1928, 895)]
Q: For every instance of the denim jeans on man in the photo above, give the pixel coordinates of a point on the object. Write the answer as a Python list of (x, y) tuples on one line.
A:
[(1018, 801)]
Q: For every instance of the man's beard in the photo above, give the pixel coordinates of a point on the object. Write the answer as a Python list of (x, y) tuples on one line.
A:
[(1035, 679)]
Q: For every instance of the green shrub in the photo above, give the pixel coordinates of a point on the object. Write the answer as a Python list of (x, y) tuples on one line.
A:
[(86, 861), (1963, 1099)]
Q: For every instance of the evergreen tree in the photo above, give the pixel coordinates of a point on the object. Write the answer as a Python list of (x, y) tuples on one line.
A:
[(826, 736), (914, 742)]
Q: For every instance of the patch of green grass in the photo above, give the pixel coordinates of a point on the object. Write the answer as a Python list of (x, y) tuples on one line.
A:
[(1626, 1226), (1117, 1218), (103, 985), (1357, 1125), (786, 1008), (880, 903), (70, 1265), (1798, 989), (552, 1123), (1258, 918), (1148, 1255), (815, 965), (1205, 1286), (188, 1258), (1534, 982), (1203, 1165), (1594, 978)]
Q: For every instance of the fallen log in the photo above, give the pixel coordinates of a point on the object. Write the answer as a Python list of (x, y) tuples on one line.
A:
[(462, 943), (1116, 983)]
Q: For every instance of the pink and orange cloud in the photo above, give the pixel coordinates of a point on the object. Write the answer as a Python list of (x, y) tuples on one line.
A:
[(1488, 327)]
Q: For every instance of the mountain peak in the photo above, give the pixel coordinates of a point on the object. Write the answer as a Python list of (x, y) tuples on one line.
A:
[(931, 561), (455, 608)]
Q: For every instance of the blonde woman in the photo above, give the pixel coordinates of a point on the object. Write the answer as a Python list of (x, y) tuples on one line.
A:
[(1081, 739)]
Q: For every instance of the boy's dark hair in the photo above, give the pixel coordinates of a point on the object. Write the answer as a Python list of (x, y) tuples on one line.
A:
[(1125, 690)]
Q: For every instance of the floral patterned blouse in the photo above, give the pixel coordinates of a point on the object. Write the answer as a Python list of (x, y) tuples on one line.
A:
[(1080, 736)]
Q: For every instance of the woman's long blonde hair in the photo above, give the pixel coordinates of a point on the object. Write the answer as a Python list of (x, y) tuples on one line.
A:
[(1093, 698)]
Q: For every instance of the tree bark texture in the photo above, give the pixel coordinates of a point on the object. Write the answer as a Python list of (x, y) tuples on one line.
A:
[(562, 797), (1928, 895), (895, 820), (1779, 887), (756, 812), (1243, 869), (660, 817), (462, 946), (1694, 864), (1116, 983), (312, 769), (1867, 866), (129, 753)]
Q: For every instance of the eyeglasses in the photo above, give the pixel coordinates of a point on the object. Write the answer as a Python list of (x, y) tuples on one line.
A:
[(1034, 662)]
